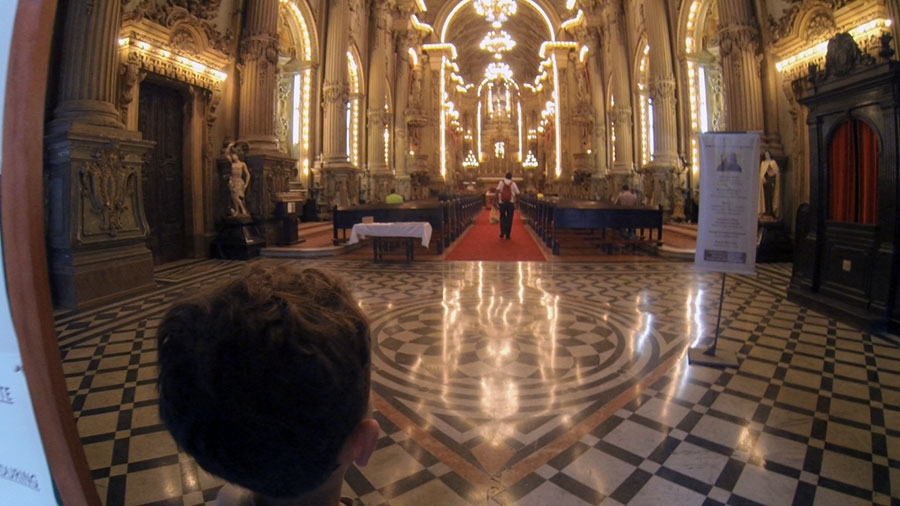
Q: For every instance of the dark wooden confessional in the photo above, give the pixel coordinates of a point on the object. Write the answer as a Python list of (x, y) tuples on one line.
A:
[(847, 252)]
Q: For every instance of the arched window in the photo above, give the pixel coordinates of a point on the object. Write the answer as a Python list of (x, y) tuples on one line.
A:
[(853, 174), (294, 91), (353, 109), (612, 125), (645, 104), (703, 73)]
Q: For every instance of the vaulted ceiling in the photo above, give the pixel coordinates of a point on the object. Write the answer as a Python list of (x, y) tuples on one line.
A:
[(527, 27)]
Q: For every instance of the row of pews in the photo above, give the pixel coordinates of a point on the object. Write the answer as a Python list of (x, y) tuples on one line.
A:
[(549, 216), (448, 218)]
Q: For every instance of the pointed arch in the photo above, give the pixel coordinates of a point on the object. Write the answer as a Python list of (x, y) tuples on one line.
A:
[(692, 22), (298, 32), (642, 99), (355, 79)]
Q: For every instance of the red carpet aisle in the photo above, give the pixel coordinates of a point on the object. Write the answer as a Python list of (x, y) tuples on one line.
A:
[(482, 242)]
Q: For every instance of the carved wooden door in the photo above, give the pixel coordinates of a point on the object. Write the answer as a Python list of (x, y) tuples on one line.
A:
[(161, 119)]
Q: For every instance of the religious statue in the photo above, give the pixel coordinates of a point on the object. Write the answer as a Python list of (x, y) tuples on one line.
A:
[(238, 181), (415, 92), (769, 190)]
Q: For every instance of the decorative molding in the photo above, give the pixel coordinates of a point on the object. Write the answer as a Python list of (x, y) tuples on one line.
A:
[(159, 49), (259, 47), (110, 186), (129, 74), (335, 92), (196, 13), (842, 58), (662, 88), (622, 118), (737, 38)]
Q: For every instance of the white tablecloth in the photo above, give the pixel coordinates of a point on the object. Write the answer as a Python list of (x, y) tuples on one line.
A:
[(420, 229)]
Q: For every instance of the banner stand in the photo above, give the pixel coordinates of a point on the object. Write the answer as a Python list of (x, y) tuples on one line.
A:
[(709, 357)]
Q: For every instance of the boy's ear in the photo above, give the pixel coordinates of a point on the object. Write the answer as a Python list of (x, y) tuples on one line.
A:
[(363, 440)]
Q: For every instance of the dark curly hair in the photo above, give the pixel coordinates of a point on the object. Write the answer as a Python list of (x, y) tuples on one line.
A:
[(263, 378)]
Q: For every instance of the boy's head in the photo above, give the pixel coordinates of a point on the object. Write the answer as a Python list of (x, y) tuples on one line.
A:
[(265, 378)]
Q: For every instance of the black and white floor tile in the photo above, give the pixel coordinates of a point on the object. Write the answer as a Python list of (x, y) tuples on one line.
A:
[(543, 384)]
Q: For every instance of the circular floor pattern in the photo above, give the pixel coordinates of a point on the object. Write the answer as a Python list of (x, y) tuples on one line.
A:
[(510, 356)]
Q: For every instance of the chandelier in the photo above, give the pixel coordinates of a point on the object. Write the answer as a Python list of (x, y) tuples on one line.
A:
[(470, 161), (496, 12), (497, 42), (498, 70), (530, 161)]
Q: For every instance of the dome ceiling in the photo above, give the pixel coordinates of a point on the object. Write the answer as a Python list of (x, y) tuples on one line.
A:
[(527, 27)]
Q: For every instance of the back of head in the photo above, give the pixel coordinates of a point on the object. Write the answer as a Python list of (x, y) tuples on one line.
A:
[(262, 379), (509, 175), (624, 187)]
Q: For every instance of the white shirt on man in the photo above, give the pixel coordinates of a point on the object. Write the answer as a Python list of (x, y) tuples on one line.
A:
[(514, 190)]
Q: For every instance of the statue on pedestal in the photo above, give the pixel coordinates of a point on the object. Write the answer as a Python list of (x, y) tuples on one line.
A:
[(769, 189), (238, 181)]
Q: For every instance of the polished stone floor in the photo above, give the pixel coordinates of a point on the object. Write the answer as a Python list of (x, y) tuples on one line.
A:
[(543, 384)]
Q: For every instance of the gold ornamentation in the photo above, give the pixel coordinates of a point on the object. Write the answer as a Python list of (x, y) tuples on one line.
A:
[(110, 185)]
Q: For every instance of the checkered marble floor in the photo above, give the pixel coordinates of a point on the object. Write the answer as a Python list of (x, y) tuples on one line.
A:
[(543, 383)]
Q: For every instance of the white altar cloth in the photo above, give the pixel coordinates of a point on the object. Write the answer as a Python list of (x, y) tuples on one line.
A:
[(420, 229)]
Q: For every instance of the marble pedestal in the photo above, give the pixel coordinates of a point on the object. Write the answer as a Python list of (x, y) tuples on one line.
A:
[(96, 237)]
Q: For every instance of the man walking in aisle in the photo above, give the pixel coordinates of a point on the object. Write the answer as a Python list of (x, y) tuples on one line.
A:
[(506, 192)]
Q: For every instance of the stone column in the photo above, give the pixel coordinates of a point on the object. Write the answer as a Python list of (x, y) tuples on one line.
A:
[(771, 140), (271, 170), (336, 173), (97, 228), (598, 100), (378, 117), (429, 134), (87, 89), (622, 113), (259, 55), (739, 50), (401, 99), (661, 87), (599, 188), (567, 63)]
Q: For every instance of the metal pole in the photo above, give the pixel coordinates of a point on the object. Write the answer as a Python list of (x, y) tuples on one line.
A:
[(712, 349)]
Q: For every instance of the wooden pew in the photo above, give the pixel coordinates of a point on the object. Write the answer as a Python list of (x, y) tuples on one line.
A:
[(549, 216)]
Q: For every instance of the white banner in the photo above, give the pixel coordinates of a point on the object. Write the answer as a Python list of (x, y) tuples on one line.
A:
[(729, 190)]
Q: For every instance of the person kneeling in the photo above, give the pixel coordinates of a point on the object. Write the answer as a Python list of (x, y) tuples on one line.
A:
[(265, 380)]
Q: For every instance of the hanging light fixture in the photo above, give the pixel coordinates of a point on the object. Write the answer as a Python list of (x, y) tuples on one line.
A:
[(497, 41), (470, 161), (496, 12), (530, 161), (498, 70)]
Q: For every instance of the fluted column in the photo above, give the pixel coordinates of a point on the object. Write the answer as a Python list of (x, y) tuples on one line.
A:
[(624, 162), (259, 55), (599, 102), (771, 139), (336, 89), (87, 89), (96, 224), (429, 136), (571, 142), (739, 49), (401, 99), (661, 86), (378, 117)]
